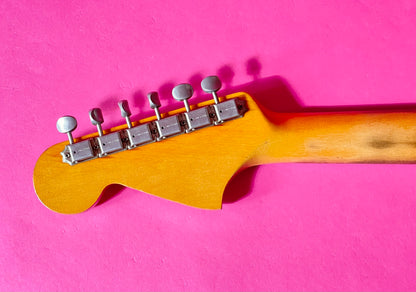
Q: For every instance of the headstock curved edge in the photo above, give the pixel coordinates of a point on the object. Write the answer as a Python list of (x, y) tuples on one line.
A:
[(192, 169)]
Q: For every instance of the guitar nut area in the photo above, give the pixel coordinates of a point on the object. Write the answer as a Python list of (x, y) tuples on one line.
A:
[(154, 131)]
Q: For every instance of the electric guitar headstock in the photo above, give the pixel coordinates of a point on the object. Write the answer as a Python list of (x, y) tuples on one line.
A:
[(189, 155)]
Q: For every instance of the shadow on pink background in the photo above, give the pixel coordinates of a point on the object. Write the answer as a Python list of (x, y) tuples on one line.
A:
[(283, 226)]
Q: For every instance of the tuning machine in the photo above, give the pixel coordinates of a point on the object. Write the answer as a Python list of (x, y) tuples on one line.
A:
[(138, 135), (226, 110), (74, 152), (169, 126), (197, 118), (66, 125), (108, 143)]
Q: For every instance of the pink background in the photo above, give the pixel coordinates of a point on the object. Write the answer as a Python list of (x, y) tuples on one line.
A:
[(288, 227)]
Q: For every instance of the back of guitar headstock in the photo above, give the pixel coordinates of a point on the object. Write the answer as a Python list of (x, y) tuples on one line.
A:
[(189, 158)]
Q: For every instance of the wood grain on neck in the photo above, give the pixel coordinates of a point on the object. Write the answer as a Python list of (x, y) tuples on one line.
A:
[(194, 169), (349, 137)]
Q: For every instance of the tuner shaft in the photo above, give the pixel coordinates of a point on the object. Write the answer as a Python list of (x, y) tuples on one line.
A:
[(70, 138)]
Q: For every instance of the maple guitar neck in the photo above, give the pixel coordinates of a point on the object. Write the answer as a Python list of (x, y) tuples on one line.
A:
[(340, 137), (194, 168)]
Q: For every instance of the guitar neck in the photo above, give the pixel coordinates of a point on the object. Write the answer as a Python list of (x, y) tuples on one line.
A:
[(194, 168), (349, 137)]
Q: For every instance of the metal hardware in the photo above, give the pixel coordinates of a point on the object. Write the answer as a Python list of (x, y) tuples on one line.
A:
[(198, 118), (169, 126), (211, 84), (154, 102), (67, 124), (229, 109), (109, 143), (139, 135), (183, 92), (96, 117), (125, 111), (78, 152), (162, 128)]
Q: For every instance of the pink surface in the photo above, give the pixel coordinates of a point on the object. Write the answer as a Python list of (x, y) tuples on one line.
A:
[(290, 227)]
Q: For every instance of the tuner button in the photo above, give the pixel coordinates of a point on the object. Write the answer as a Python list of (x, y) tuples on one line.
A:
[(67, 124), (211, 84), (125, 111), (96, 117), (124, 108), (154, 102), (183, 92), (153, 98)]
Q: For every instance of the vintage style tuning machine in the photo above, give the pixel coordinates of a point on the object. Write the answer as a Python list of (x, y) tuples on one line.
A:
[(109, 143), (74, 152), (138, 135), (125, 111), (169, 126), (211, 84), (196, 118), (165, 126), (225, 110), (154, 102), (67, 124)]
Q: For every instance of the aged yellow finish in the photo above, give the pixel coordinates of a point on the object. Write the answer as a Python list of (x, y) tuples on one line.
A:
[(194, 169)]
